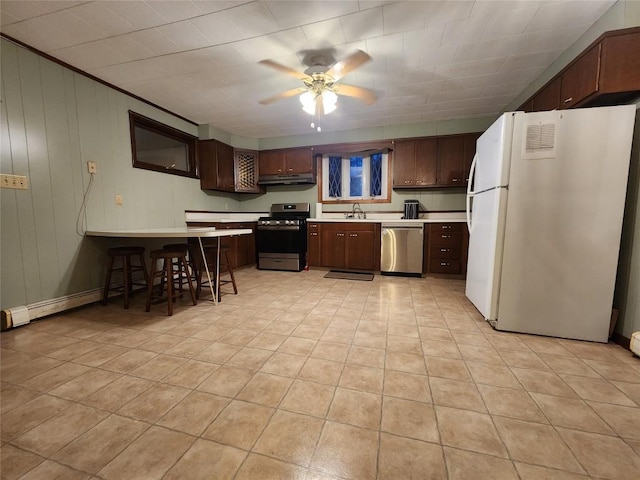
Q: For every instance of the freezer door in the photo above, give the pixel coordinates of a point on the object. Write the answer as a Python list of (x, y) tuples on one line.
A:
[(488, 202), (485, 251), (493, 152), (563, 222)]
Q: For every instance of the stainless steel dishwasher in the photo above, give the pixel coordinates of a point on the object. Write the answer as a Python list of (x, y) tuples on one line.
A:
[(402, 248)]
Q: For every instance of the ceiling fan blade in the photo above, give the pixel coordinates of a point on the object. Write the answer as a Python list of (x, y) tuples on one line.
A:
[(367, 96), (289, 93), (353, 61), (287, 70)]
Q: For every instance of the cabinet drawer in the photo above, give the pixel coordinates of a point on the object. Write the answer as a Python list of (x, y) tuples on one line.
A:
[(445, 266), (446, 238), (446, 227), (444, 251)]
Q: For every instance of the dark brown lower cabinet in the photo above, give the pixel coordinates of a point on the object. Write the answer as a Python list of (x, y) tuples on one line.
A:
[(446, 248), (351, 246)]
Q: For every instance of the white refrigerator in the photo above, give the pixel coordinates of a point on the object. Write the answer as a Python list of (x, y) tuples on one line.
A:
[(544, 210)]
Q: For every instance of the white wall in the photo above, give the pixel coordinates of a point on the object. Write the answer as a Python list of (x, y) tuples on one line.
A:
[(52, 122)]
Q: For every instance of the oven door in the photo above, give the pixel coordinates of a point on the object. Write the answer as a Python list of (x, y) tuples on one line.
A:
[(281, 247)]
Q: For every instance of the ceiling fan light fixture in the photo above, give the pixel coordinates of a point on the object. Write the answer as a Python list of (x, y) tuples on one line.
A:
[(329, 101), (308, 101)]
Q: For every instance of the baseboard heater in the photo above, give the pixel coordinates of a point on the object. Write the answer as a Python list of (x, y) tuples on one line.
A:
[(21, 315)]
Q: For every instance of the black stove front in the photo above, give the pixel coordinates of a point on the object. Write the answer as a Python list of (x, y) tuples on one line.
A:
[(281, 239)]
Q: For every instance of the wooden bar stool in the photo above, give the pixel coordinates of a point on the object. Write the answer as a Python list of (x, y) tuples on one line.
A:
[(182, 280), (174, 262), (127, 269), (211, 252)]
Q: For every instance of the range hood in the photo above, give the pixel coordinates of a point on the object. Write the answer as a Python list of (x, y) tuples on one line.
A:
[(292, 179)]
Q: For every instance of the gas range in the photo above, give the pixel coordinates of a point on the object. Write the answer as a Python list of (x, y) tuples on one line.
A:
[(281, 239)]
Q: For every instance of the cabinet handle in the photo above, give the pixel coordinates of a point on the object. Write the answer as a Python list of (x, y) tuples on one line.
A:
[(313, 234), (279, 170), (407, 181), (445, 236), (445, 249), (290, 169), (339, 234), (455, 179), (446, 227), (353, 234), (444, 264), (568, 100)]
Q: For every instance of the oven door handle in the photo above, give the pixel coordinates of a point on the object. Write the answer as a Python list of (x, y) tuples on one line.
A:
[(279, 227)]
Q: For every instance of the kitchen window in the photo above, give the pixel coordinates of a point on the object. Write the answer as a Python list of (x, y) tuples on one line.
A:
[(352, 177)]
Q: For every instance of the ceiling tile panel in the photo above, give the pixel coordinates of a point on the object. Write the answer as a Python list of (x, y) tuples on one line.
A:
[(175, 10), (40, 34), (89, 56), (136, 12), (103, 19), (271, 46), (431, 60), (404, 16), (325, 33), (68, 21), (555, 15), (183, 35), (363, 25), (21, 9)]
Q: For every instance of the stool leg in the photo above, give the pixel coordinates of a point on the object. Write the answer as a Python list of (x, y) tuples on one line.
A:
[(168, 269), (107, 282), (154, 261), (126, 278), (188, 277), (233, 279), (144, 269)]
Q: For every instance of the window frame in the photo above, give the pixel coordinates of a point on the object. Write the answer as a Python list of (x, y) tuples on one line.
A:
[(364, 153), (153, 126)]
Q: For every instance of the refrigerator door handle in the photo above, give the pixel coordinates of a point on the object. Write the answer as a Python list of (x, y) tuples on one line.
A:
[(470, 193)]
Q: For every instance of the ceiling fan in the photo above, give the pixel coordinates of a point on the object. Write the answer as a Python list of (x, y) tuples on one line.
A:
[(320, 90)]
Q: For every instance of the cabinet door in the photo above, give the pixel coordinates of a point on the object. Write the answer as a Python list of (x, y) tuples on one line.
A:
[(404, 163), (332, 248), (207, 164), (272, 162), (451, 160), (359, 250), (470, 140), (225, 167), (313, 244), (246, 171), (426, 162), (581, 79), (548, 98), (620, 68), (299, 160)]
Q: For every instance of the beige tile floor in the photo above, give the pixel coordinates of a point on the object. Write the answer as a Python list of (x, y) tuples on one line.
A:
[(302, 377)]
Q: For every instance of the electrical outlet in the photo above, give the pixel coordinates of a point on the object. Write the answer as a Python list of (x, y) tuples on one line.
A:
[(92, 167), (119, 200), (18, 182)]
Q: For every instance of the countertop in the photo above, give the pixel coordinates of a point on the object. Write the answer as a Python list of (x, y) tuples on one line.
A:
[(430, 217)]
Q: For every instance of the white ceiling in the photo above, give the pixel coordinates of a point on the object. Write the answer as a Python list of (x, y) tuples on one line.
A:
[(431, 59)]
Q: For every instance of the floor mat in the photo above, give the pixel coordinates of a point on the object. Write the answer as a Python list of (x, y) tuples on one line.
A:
[(349, 275)]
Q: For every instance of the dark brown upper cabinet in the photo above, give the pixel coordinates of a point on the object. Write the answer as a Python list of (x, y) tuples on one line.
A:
[(607, 72), (222, 168)]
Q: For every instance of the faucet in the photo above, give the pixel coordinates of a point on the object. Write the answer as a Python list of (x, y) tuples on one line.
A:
[(357, 210)]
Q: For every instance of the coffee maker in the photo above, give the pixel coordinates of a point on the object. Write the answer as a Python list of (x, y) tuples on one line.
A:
[(411, 209)]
